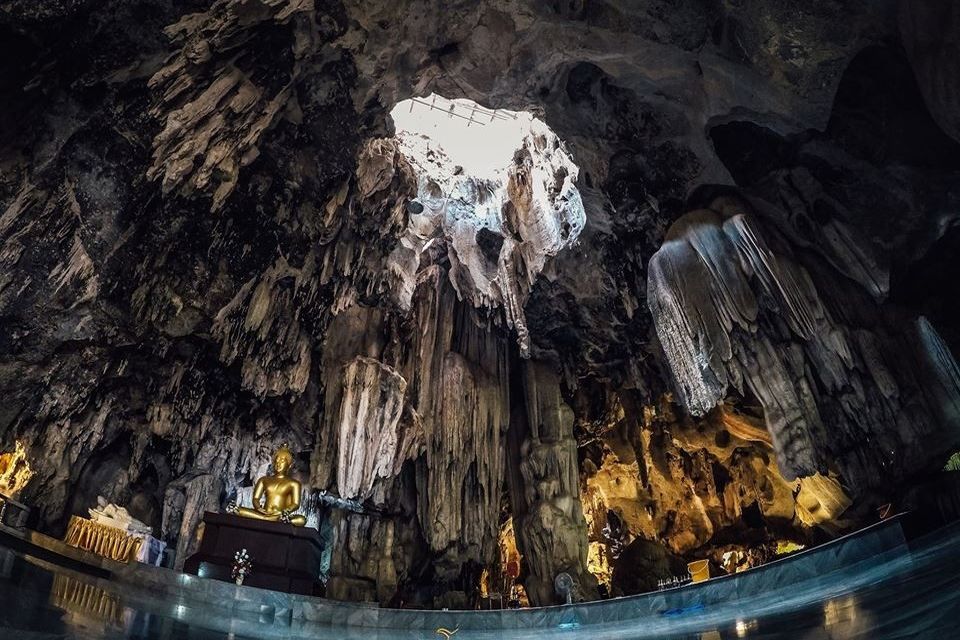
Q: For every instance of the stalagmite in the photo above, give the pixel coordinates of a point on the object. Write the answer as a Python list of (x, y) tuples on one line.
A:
[(545, 489)]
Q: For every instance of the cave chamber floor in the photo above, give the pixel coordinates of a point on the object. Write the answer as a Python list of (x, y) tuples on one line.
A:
[(872, 584)]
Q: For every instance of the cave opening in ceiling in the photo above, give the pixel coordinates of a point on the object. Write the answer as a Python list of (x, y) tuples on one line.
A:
[(498, 188), (460, 133)]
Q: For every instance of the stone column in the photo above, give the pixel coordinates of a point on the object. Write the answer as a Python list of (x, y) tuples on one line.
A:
[(545, 489)]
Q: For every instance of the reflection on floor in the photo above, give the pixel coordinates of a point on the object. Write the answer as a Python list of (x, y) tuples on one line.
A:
[(83, 603), (903, 595)]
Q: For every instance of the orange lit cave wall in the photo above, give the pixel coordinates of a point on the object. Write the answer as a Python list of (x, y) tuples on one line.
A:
[(660, 489), (15, 470)]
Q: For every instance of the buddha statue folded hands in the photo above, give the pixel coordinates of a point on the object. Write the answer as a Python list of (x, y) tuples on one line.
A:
[(276, 497)]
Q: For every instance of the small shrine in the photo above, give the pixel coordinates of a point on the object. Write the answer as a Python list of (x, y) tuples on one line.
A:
[(113, 533), (266, 544), (15, 473)]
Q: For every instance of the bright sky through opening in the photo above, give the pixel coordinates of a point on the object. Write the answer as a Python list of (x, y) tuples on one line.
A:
[(482, 141)]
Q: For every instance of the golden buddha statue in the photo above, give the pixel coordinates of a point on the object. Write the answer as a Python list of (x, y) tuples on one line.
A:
[(276, 497)]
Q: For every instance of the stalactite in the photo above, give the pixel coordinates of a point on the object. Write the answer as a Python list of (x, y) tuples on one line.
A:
[(208, 247), (372, 443), (735, 308), (459, 373), (366, 433), (212, 108), (261, 327), (354, 333), (942, 372), (532, 209)]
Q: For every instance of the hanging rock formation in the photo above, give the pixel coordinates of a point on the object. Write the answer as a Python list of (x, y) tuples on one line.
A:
[(735, 309), (212, 241), (499, 232), (372, 444)]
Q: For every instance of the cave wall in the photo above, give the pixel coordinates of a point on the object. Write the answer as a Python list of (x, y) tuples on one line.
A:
[(661, 487), (856, 393), (200, 213)]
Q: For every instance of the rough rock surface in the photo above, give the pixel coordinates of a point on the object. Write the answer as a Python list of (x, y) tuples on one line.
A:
[(550, 528), (735, 309), (499, 231), (207, 248)]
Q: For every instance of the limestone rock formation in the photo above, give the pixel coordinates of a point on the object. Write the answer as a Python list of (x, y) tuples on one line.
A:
[(735, 309), (692, 484), (499, 231), (723, 259), (372, 444), (550, 528)]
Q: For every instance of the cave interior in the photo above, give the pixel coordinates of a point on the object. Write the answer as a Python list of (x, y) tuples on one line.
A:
[(703, 306)]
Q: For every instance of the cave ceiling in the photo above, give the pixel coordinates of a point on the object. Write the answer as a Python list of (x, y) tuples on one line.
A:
[(208, 247)]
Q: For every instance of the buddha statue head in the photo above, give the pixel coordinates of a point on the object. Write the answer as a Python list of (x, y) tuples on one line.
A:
[(282, 460)]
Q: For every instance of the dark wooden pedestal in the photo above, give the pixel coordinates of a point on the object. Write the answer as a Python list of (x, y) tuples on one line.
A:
[(283, 557)]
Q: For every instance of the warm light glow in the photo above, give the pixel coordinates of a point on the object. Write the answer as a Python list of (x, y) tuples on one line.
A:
[(786, 546), (510, 559), (745, 626), (741, 628), (844, 618), (615, 487), (15, 471), (598, 553), (598, 563), (85, 603), (821, 500)]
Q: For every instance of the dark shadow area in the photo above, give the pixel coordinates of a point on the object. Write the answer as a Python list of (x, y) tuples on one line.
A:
[(750, 152), (931, 286), (879, 114)]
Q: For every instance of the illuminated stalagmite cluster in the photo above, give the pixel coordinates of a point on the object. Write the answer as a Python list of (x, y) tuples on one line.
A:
[(704, 308)]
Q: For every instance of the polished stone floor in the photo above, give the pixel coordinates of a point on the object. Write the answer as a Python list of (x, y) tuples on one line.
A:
[(905, 594)]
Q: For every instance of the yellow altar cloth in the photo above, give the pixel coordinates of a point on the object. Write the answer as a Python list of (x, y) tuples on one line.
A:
[(109, 542)]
